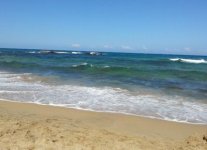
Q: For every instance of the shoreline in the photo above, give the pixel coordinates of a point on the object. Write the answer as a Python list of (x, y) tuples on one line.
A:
[(28, 125), (108, 112)]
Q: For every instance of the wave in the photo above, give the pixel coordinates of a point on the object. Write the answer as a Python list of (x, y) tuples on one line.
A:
[(76, 53), (95, 53), (106, 66), (195, 61), (48, 52), (87, 53), (107, 99), (65, 52), (133, 74), (53, 52), (82, 64), (103, 69), (32, 52), (62, 52)]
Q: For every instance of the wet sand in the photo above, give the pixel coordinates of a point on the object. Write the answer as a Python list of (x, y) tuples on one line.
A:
[(32, 126)]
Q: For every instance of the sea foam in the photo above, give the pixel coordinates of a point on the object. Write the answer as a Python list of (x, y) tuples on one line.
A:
[(195, 61), (106, 99), (76, 53)]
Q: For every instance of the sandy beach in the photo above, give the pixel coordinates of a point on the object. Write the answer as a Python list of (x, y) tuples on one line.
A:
[(103, 75), (32, 126)]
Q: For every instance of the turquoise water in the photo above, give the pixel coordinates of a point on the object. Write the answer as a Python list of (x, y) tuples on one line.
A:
[(172, 87)]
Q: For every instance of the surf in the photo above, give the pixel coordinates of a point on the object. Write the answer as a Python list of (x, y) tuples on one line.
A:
[(145, 102), (195, 61)]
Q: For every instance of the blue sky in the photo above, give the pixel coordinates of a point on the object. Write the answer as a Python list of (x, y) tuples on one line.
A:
[(149, 26)]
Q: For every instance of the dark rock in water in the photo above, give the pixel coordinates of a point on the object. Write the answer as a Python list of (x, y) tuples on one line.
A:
[(47, 52), (52, 52)]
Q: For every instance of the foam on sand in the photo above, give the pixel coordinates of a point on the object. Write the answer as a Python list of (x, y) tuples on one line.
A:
[(30, 126)]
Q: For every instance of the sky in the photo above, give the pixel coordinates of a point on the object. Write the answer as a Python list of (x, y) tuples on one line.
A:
[(140, 26)]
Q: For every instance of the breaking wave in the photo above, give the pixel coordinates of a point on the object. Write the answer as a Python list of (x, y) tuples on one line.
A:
[(195, 61), (23, 88)]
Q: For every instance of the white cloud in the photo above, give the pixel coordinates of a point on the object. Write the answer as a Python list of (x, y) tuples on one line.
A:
[(75, 45), (126, 47)]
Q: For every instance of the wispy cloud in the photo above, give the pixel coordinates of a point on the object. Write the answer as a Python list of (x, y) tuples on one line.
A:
[(187, 48), (75, 45), (126, 47)]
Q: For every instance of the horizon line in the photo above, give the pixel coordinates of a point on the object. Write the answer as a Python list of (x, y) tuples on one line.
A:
[(205, 55)]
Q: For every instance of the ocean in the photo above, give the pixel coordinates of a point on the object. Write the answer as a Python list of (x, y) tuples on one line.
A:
[(168, 87)]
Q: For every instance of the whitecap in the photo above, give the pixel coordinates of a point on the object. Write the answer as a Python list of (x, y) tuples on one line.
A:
[(94, 53), (195, 61), (106, 66), (32, 52), (84, 64), (61, 52), (76, 53), (75, 65)]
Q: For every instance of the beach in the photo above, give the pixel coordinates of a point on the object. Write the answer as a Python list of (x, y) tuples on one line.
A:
[(101, 101), (33, 126), (103, 75)]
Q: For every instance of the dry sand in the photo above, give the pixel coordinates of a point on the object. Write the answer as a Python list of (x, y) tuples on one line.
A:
[(31, 126)]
